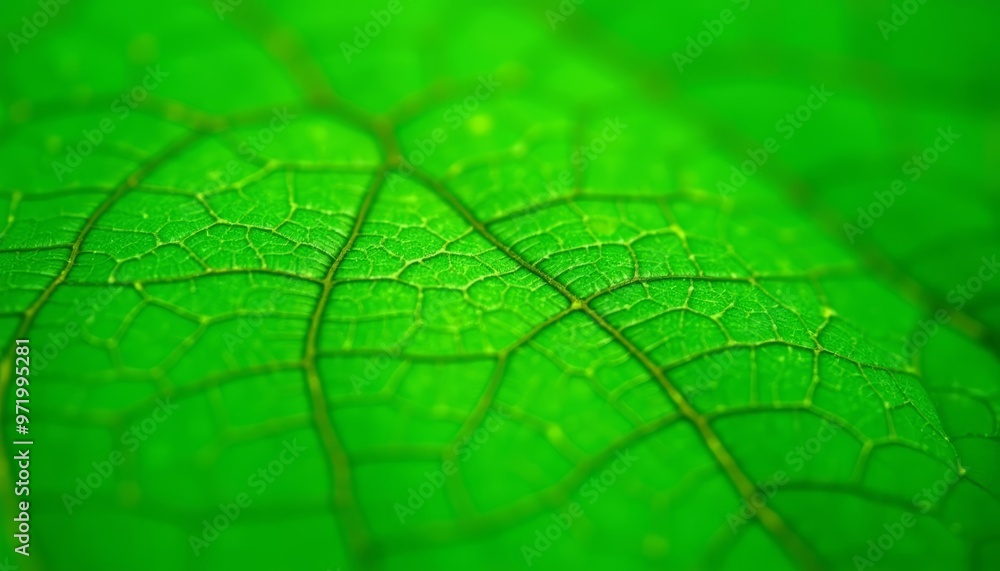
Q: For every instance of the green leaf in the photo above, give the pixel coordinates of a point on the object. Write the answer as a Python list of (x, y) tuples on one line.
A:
[(408, 286)]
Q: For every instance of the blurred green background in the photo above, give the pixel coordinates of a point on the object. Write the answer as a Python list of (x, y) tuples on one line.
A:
[(250, 242)]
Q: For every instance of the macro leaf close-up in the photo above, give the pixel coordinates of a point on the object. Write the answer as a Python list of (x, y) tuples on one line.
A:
[(560, 284)]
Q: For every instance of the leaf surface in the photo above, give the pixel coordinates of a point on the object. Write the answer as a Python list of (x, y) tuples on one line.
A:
[(484, 247)]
